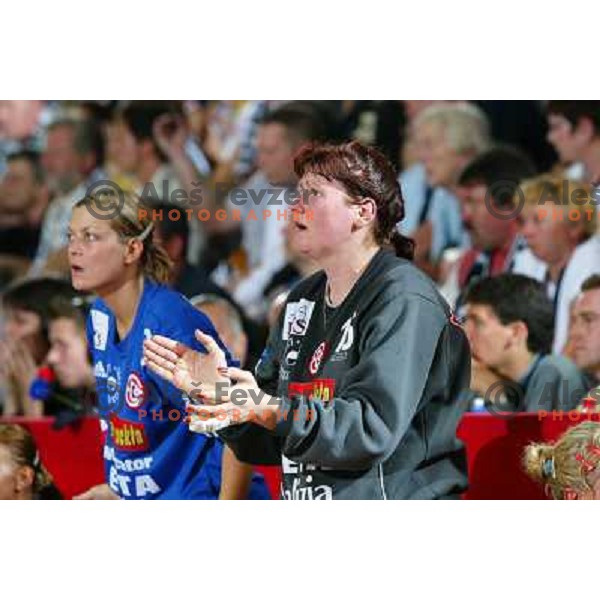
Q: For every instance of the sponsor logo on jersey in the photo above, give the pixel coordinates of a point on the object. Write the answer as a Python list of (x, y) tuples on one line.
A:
[(135, 391), (317, 389), (316, 359), (100, 327), (99, 370), (126, 435), (111, 387), (130, 477)]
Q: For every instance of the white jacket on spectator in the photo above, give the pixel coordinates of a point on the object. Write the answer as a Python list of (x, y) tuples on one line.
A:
[(442, 209), (584, 262), (522, 261)]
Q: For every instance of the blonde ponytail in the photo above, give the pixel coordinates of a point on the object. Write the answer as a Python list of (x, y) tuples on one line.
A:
[(538, 462), (156, 263), (566, 466)]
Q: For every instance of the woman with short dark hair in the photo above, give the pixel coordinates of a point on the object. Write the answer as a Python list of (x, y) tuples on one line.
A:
[(357, 391)]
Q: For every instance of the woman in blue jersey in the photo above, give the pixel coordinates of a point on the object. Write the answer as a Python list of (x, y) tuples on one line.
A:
[(148, 451)]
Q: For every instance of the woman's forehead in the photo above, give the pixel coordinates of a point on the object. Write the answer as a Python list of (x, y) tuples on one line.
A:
[(81, 218), (314, 179)]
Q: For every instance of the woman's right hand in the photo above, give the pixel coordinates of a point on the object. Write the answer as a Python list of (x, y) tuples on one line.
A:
[(187, 369), (98, 492)]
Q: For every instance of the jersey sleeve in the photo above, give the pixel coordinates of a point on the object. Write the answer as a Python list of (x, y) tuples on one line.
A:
[(399, 342)]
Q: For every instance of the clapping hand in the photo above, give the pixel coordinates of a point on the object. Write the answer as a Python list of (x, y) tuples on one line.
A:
[(189, 370)]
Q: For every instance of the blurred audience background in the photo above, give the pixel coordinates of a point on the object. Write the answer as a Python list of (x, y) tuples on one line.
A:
[(219, 178)]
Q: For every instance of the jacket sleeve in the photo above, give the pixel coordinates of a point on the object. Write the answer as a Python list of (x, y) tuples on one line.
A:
[(380, 395), (252, 443)]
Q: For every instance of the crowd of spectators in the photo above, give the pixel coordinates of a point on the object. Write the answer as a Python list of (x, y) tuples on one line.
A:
[(501, 199)]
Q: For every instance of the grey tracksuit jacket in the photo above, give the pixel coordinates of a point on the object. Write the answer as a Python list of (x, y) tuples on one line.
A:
[(370, 390)]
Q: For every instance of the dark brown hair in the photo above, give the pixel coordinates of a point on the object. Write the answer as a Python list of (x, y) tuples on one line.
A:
[(365, 173), (591, 283), (575, 110)]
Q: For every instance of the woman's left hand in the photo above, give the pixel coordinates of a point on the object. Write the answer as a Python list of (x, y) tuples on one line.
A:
[(241, 402)]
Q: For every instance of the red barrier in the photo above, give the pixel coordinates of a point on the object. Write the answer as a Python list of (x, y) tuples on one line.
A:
[(72, 455), (494, 448)]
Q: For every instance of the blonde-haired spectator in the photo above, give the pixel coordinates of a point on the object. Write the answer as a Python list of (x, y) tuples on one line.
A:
[(447, 137), (463, 127)]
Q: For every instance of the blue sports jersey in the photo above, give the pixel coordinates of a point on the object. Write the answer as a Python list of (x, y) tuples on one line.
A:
[(149, 451)]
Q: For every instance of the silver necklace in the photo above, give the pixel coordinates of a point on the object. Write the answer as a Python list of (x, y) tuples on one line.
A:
[(327, 303)]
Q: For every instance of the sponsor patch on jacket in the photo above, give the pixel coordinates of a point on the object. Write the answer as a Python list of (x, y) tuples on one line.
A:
[(297, 317), (346, 341), (317, 389), (314, 364)]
